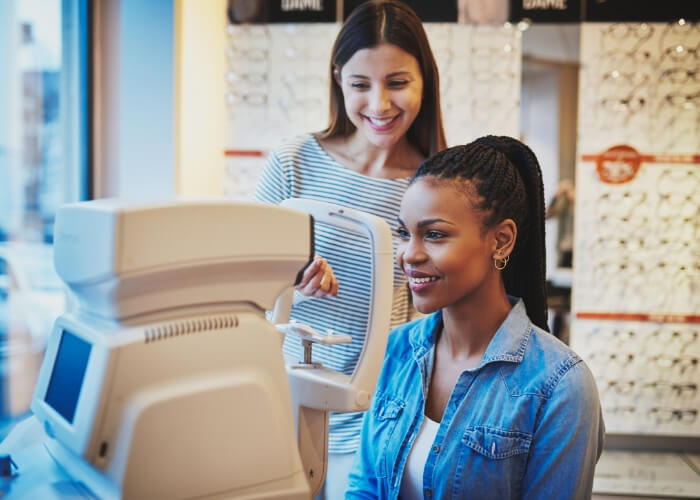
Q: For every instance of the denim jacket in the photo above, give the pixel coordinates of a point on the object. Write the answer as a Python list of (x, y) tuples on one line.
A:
[(525, 423)]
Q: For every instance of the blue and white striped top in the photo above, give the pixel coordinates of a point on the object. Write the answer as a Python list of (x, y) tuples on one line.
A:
[(302, 169)]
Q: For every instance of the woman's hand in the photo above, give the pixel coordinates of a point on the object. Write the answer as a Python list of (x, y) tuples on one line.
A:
[(318, 279)]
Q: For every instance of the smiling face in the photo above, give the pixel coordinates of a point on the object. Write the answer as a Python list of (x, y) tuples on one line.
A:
[(444, 250), (382, 90)]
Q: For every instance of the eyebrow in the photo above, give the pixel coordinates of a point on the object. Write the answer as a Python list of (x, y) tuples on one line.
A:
[(390, 75), (426, 222)]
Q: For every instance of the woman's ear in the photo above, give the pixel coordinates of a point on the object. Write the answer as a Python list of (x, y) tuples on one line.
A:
[(504, 236), (336, 76)]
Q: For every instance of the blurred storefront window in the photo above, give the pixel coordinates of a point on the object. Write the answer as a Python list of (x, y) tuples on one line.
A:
[(43, 164)]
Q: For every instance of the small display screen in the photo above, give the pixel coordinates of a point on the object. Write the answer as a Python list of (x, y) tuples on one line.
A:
[(68, 373)]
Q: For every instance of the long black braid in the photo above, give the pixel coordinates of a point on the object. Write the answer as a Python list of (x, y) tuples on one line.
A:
[(508, 181)]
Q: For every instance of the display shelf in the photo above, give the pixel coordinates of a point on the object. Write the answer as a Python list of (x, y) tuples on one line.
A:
[(635, 300), (646, 474)]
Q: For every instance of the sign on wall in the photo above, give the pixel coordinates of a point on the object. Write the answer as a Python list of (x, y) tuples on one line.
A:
[(574, 11), (546, 11), (281, 11), (636, 11), (435, 11)]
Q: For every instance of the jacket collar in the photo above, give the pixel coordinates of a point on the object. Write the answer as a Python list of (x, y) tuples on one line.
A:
[(508, 344)]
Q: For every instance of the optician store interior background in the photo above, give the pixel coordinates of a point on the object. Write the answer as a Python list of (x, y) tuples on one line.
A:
[(104, 98)]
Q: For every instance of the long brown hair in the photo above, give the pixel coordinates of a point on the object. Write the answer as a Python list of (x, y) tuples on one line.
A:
[(389, 21)]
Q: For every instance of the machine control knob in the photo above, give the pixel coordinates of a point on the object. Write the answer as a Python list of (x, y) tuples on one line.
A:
[(362, 398)]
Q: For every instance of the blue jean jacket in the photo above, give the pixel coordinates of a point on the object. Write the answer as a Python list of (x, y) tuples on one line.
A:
[(525, 423)]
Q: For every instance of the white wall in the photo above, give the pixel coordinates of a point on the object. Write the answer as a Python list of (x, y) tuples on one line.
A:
[(550, 58), (552, 42), (134, 136), (539, 113), (200, 89), (160, 71)]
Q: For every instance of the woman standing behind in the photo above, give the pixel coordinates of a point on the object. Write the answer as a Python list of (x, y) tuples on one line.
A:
[(477, 400), (384, 121)]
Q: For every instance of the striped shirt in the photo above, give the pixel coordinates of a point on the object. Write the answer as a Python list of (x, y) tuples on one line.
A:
[(302, 169)]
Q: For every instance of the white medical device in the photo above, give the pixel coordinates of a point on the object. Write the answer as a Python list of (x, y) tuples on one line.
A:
[(169, 381)]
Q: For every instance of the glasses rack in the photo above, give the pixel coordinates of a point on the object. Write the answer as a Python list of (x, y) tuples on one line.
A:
[(639, 250), (647, 374), (480, 68), (636, 283), (639, 84), (277, 82), (276, 88)]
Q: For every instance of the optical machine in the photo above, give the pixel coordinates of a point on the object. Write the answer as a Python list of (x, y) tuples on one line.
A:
[(168, 379)]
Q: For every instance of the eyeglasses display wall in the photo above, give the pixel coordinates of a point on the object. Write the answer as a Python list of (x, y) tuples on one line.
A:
[(277, 82), (636, 282), (647, 374), (638, 249), (639, 86), (480, 70), (277, 87)]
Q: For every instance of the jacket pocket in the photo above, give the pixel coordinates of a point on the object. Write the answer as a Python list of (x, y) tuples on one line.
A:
[(496, 444), (491, 463), (387, 412)]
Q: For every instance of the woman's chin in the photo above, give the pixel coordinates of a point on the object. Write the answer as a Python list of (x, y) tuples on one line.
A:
[(423, 307)]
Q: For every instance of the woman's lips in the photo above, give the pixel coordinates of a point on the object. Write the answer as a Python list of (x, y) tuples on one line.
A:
[(381, 124), (419, 281)]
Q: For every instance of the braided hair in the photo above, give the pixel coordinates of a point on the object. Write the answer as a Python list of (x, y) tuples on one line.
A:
[(508, 181)]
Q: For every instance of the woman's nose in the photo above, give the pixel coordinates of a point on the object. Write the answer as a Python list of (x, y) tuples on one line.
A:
[(411, 251), (380, 101)]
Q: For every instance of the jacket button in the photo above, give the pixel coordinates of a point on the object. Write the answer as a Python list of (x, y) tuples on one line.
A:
[(428, 493), (436, 448)]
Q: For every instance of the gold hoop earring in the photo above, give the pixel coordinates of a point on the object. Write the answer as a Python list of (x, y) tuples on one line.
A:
[(501, 264)]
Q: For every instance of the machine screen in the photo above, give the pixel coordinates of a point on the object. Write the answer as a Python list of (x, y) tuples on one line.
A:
[(67, 375)]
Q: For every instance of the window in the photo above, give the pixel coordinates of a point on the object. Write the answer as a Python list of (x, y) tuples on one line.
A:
[(43, 164)]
